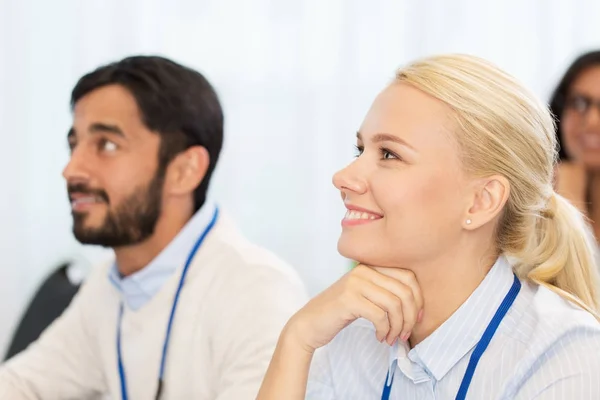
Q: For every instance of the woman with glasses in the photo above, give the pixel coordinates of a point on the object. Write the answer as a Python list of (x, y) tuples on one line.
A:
[(576, 105)]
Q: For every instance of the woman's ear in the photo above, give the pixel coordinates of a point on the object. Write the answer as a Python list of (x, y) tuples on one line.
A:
[(488, 197)]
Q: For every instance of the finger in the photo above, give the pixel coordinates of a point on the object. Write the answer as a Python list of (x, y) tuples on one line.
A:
[(407, 278), (377, 315), (410, 312), (390, 303), (405, 292)]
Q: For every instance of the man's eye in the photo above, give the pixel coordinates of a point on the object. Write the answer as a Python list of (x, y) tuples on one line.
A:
[(107, 145)]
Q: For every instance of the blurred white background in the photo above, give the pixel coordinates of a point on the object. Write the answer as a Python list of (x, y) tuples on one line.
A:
[(295, 78)]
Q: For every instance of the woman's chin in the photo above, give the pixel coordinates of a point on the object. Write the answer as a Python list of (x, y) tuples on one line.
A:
[(348, 249), (592, 163), (362, 253)]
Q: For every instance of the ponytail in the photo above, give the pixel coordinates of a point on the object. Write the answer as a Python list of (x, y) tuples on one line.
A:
[(502, 128), (560, 254)]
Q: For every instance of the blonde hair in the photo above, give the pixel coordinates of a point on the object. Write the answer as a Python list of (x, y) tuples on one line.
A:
[(502, 128)]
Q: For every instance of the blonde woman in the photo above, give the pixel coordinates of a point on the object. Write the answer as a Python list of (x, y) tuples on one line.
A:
[(476, 279)]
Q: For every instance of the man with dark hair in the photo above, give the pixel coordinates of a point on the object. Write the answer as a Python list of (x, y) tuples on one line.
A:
[(189, 309)]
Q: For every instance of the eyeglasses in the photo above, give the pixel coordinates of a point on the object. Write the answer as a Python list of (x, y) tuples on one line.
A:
[(581, 104)]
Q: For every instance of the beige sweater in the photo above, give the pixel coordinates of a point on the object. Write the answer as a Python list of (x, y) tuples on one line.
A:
[(236, 299)]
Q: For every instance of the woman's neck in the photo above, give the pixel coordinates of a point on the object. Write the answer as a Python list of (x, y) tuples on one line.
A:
[(594, 202), (446, 284)]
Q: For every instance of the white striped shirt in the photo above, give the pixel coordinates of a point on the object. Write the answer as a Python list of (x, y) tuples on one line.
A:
[(545, 348)]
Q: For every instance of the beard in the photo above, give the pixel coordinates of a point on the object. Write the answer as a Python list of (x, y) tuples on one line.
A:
[(128, 223)]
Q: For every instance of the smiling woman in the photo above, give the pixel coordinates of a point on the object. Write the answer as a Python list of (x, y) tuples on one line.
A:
[(466, 255), (576, 104)]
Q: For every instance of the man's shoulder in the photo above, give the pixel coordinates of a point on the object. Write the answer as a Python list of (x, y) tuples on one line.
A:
[(96, 276), (228, 254)]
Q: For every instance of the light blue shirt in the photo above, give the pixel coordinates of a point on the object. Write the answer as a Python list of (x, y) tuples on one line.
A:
[(545, 348), (140, 287)]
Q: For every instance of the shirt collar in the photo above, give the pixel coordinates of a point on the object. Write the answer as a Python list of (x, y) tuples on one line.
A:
[(140, 287), (448, 344)]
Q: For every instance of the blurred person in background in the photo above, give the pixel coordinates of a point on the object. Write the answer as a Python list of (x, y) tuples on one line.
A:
[(189, 309), (476, 279), (576, 105)]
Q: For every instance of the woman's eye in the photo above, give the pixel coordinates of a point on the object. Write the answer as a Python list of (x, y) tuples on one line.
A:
[(358, 150), (388, 155)]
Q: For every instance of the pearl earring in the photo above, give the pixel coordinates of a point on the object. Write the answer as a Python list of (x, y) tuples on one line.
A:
[(468, 222)]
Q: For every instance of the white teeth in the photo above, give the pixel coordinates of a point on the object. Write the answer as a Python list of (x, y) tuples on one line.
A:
[(359, 215), (86, 200)]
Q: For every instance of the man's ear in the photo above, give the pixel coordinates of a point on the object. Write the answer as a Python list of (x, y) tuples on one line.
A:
[(187, 170)]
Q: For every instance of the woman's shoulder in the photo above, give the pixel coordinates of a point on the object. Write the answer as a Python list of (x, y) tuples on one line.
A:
[(550, 324), (553, 310), (559, 344)]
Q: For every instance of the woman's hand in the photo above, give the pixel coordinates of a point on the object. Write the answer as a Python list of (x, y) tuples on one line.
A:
[(571, 183), (388, 297)]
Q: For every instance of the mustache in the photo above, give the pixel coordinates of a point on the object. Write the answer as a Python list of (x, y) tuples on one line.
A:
[(80, 188)]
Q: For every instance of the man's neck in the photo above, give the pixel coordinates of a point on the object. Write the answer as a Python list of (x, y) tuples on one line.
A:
[(446, 284), (131, 259)]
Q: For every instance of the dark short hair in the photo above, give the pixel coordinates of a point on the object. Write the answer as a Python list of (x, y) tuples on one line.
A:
[(560, 94), (175, 101)]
